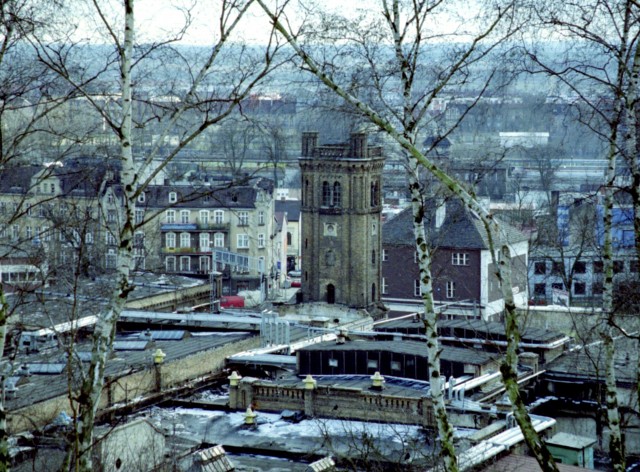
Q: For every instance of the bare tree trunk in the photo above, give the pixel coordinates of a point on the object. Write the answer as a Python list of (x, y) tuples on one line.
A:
[(607, 322), (509, 367), (5, 458), (430, 321), (105, 329)]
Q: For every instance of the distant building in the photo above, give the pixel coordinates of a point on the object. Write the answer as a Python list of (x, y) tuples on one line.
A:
[(406, 359), (291, 208), (341, 210), (194, 222), (567, 257), (59, 213), (464, 281)]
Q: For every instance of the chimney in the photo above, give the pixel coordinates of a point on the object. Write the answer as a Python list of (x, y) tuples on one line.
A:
[(358, 145), (309, 143)]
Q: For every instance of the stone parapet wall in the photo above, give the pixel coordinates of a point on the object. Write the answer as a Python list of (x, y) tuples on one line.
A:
[(135, 386), (333, 402)]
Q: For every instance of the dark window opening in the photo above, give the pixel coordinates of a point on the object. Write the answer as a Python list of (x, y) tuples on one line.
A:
[(540, 290), (540, 268), (580, 267), (618, 267)]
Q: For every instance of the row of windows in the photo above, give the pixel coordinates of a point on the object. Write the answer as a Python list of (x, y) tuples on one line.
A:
[(450, 288), (332, 194), (183, 264), (204, 240), (44, 210), (580, 267), (373, 364), (206, 217), (71, 236), (457, 258), (579, 288)]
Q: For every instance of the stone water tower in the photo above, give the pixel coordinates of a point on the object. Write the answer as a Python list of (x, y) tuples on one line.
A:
[(341, 209)]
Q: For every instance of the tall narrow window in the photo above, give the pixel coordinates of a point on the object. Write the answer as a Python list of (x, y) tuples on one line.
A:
[(331, 194), (337, 194), (204, 242), (451, 289), (375, 194), (326, 194), (185, 240), (170, 240), (170, 264), (185, 264)]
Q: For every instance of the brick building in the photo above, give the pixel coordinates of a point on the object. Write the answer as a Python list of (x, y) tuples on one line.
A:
[(464, 282)]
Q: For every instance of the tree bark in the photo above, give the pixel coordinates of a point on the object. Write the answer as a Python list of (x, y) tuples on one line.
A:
[(509, 367)]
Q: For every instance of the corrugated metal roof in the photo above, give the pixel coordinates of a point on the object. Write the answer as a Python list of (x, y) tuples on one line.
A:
[(84, 356), (169, 335), (130, 345), (51, 368), (455, 354)]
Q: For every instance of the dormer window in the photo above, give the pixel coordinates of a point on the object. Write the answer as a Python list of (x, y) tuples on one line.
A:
[(173, 197), (141, 198)]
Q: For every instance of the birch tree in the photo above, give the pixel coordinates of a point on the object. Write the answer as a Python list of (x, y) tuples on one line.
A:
[(215, 88), (26, 102), (602, 71), (412, 30)]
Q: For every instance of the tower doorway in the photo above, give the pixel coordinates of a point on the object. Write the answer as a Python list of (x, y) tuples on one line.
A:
[(331, 294)]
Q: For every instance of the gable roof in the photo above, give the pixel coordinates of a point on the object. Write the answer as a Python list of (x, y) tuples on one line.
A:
[(461, 228), (190, 196)]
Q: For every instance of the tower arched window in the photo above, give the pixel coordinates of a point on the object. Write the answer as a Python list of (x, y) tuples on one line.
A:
[(337, 194), (375, 194), (326, 194), (331, 194)]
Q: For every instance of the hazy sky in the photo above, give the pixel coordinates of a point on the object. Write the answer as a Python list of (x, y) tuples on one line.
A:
[(154, 16)]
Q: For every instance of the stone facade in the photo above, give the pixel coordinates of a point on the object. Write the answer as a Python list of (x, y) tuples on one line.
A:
[(341, 209), (332, 401)]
